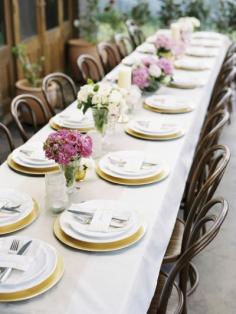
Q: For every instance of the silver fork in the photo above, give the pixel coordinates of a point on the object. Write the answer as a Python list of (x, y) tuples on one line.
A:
[(12, 250)]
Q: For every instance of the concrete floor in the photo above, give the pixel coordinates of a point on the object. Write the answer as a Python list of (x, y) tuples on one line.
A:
[(216, 293)]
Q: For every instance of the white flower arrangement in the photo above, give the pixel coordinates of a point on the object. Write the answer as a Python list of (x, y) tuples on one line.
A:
[(101, 95), (193, 22)]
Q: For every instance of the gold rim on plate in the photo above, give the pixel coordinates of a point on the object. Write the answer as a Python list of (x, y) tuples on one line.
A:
[(29, 171), (155, 137), (22, 223), (96, 247), (160, 110), (123, 181), (40, 288), (56, 127)]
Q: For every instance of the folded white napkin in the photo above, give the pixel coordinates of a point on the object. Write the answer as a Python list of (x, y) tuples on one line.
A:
[(155, 127), (101, 221), (147, 48), (73, 118), (20, 262)]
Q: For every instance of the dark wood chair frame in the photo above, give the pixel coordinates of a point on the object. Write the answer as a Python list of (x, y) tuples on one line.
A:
[(122, 42), (87, 64), (108, 56), (58, 78), (23, 101)]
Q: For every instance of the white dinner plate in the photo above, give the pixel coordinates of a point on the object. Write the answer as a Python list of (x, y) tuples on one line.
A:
[(42, 266), (207, 35), (74, 120), (206, 42), (186, 82), (147, 48), (201, 52), (71, 226), (14, 198), (167, 102), (153, 127), (111, 169), (192, 64)]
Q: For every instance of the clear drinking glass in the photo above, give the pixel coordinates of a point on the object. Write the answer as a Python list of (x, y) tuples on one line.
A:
[(56, 197)]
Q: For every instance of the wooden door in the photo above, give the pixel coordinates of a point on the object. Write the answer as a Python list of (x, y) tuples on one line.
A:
[(6, 60)]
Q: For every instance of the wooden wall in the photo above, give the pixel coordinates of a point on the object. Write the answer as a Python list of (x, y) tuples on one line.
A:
[(49, 42)]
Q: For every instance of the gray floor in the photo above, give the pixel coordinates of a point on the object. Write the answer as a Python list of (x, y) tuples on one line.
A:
[(216, 293)]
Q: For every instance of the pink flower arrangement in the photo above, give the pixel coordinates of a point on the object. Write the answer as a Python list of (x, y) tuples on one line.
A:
[(167, 46), (151, 72), (65, 146), (163, 43)]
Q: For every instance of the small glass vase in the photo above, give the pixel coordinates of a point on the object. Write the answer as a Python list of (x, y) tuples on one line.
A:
[(100, 117), (70, 171)]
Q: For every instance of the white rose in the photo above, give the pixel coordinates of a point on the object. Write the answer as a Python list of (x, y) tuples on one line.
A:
[(115, 97), (84, 92), (96, 99), (154, 70)]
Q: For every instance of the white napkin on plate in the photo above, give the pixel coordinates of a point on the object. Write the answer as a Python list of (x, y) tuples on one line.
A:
[(20, 262)]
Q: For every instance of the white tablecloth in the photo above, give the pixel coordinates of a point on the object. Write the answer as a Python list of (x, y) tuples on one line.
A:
[(124, 281)]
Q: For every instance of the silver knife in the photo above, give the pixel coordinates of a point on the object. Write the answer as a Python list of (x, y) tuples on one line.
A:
[(6, 272)]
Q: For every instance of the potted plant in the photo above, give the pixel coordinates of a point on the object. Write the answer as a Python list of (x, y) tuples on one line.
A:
[(32, 82), (88, 26)]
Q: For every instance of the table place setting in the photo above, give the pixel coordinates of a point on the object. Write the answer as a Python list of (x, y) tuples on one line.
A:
[(99, 225), (201, 52), (154, 130), (191, 64), (183, 81), (206, 42), (30, 159), (167, 104), (73, 119), (17, 210), (131, 167), (207, 35), (28, 267)]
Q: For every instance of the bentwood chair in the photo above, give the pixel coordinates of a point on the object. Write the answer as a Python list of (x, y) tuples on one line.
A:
[(65, 91), (204, 182), (5, 136), (124, 45), (136, 35), (28, 113), (90, 68), (221, 100), (108, 56), (171, 297)]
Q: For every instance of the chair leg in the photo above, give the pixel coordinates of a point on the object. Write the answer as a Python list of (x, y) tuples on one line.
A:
[(193, 278)]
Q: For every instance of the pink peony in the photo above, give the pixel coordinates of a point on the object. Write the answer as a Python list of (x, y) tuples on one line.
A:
[(140, 77), (149, 60), (163, 42), (65, 146), (166, 66)]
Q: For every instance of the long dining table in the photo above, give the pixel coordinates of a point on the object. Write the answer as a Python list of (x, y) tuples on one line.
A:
[(122, 281)]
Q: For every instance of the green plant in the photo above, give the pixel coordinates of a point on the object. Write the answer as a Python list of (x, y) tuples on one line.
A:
[(32, 71), (226, 17), (170, 10), (89, 21), (140, 13)]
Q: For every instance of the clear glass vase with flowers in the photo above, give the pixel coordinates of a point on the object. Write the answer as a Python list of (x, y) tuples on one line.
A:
[(67, 147)]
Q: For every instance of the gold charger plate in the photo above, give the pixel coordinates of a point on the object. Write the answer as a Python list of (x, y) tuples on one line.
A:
[(152, 179), (154, 137), (184, 110), (29, 171), (22, 223), (96, 247), (40, 288), (56, 127)]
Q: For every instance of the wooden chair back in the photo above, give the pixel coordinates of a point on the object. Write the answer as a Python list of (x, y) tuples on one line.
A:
[(25, 110), (210, 217), (136, 35), (108, 56), (206, 173), (5, 134), (90, 68), (64, 90), (124, 45)]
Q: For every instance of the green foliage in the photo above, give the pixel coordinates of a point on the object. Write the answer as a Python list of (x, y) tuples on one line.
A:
[(89, 22), (32, 71), (170, 10), (225, 20), (140, 13)]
